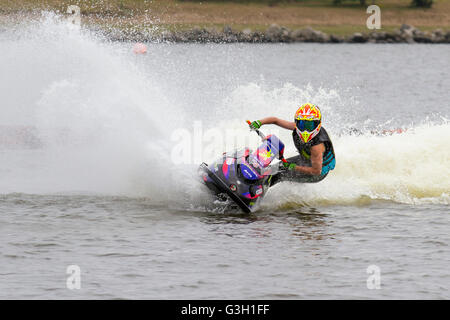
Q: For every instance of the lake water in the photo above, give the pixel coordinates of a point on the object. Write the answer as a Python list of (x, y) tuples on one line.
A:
[(99, 149)]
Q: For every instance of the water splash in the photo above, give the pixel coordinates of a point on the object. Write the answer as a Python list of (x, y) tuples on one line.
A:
[(89, 106), (372, 163), (100, 124)]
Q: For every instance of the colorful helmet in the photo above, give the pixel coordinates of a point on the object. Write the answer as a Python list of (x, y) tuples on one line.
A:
[(308, 120)]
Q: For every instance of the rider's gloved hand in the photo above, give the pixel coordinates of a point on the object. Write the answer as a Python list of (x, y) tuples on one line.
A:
[(255, 125), (289, 166)]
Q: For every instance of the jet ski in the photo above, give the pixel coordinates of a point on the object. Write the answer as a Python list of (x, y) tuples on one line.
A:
[(244, 176)]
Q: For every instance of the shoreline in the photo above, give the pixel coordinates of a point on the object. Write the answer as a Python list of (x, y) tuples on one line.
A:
[(277, 34), (149, 32), (143, 28)]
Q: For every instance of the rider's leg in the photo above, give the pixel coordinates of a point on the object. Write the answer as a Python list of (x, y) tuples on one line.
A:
[(293, 176)]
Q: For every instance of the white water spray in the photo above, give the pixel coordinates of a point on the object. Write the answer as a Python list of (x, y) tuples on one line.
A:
[(99, 124)]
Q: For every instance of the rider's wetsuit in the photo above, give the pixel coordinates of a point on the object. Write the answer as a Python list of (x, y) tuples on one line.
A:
[(304, 159)]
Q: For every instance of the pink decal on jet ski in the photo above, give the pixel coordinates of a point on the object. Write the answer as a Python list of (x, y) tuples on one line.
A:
[(249, 196), (225, 170)]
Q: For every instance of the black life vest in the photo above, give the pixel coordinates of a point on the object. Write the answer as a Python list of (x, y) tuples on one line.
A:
[(304, 149)]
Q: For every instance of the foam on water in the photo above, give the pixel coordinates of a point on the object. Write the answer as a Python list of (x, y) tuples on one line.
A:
[(410, 167), (105, 126), (97, 117)]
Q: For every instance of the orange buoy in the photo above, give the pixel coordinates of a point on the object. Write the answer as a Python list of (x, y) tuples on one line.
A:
[(139, 48)]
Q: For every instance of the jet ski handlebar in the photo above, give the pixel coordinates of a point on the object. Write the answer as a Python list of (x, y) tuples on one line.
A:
[(263, 137)]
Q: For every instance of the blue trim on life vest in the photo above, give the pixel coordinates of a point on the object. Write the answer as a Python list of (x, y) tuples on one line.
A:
[(328, 167), (328, 159)]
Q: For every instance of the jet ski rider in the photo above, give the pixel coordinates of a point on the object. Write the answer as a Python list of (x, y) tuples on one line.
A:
[(316, 155)]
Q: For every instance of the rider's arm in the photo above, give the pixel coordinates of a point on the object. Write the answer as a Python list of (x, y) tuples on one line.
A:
[(279, 122), (316, 161)]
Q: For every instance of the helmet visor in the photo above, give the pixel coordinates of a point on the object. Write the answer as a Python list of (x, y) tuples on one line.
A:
[(307, 125)]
